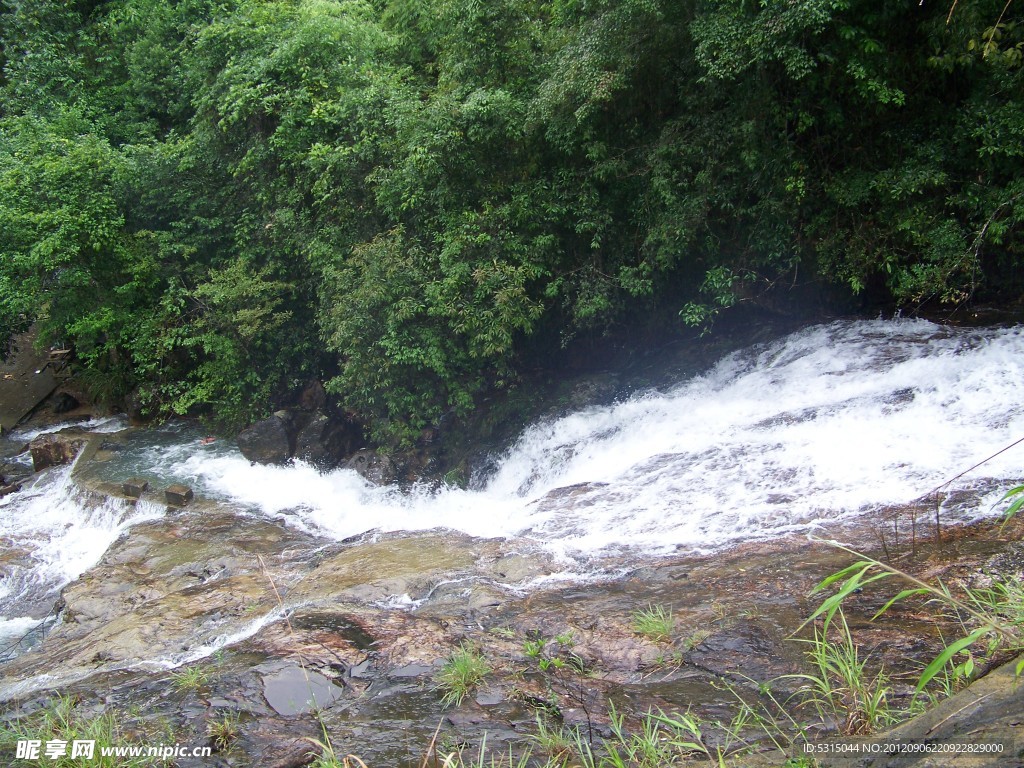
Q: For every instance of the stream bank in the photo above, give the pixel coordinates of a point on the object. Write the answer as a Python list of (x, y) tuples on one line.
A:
[(274, 582)]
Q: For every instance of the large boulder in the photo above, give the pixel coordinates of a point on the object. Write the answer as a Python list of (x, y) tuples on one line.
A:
[(375, 467), (270, 441), (327, 441), (56, 448)]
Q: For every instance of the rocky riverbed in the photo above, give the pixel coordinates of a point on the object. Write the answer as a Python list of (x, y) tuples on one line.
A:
[(269, 617), (279, 605)]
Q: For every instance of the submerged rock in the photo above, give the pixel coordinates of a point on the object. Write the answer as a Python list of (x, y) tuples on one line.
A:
[(13, 472), (294, 690)]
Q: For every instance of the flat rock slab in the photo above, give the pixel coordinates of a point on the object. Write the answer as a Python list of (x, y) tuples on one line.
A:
[(379, 570), (21, 388)]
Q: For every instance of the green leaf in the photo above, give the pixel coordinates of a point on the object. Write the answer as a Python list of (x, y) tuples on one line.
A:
[(948, 653), (861, 565), (904, 594), (856, 581)]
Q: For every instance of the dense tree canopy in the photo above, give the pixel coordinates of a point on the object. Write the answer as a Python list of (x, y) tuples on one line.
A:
[(217, 201)]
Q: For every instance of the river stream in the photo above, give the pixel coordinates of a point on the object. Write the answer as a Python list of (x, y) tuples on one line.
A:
[(822, 427)]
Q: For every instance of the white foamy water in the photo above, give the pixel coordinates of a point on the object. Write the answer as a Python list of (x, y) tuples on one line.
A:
[(52, 534), (99, 424), (826, 424)]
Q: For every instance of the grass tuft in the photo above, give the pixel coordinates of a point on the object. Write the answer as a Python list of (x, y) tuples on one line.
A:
[(840, 685), (190, 678), (655, 622), (59, 720), (223, 732), (463, 671)]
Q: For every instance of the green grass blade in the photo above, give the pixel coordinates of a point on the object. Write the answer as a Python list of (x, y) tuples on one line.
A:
[(948, 653), (904, 594), (861, 565), (1014, 508), (857, 581)]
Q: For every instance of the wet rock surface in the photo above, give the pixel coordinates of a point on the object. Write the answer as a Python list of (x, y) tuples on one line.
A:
[(377, 467), (316, 437), (269, 441), (292, 690), (26, 380), (55, 449), (327, 441), (268, 613)]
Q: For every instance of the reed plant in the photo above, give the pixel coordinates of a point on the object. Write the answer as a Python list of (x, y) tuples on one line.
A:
[(840, 686), (991, 615)]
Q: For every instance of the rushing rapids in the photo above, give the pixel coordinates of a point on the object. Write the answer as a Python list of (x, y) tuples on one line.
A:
[(827, 424)]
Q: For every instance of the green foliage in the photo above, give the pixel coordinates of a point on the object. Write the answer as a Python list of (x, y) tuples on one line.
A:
[(65, 259), (840, 687), (61, 720), (215, 202), (190, 679), (991, 615), (1015, 506), (223, 732)]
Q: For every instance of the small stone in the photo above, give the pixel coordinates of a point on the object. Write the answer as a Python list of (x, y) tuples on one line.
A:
[(178, 495), (135, 487), (490, 697), (9, 489)]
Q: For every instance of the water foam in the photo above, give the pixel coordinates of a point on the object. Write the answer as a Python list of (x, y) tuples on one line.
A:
[(58, 533), (826, 424), (98, 424)]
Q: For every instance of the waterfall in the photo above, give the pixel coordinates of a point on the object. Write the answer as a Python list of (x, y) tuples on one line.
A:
[(826, 424)]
